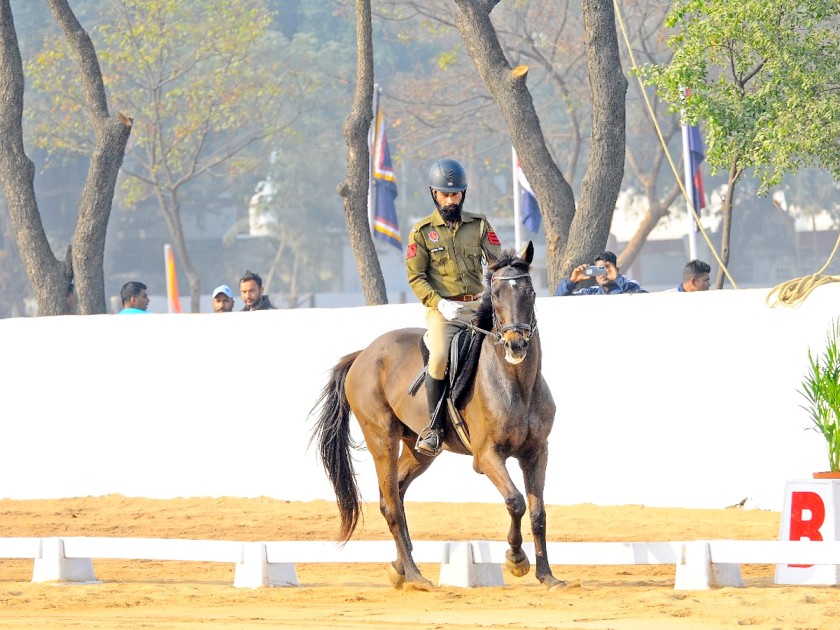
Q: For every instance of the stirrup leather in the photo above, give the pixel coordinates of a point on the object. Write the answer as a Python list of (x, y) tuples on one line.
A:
[(428, 442)]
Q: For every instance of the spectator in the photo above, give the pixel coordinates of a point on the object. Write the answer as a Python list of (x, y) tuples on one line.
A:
[(695, 277), (250, 288), (609, 281), (443, 264), (135, 300), (222, 299)]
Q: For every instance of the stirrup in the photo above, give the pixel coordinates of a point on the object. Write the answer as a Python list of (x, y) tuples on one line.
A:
[(429, 442)]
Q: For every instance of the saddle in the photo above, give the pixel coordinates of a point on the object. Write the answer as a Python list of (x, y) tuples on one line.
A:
[(464, 352)]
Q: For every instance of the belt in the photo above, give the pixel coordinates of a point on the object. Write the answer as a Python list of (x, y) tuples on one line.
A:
[(465, 298)]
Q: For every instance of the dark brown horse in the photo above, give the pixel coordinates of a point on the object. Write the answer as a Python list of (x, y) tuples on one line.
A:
[(508, 410)]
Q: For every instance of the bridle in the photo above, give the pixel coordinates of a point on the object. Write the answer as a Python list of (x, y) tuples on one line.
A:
[(498, 331)]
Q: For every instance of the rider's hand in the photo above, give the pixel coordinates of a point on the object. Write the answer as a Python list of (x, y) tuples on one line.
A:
[(449, 309)]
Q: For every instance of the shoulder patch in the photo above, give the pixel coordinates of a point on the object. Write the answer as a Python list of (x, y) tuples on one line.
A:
[(411, 252), (492, 238)]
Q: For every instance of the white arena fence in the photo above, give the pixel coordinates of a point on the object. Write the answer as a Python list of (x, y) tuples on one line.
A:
[(700, 411), (699, 565)]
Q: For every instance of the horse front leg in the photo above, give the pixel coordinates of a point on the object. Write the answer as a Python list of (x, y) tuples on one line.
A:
[(533, 467), (403, 572), (489, 463)]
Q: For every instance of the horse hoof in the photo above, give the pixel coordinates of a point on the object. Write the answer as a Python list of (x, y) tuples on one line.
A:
[(419, 584), (559, 585), (520, 568), (397, 579)]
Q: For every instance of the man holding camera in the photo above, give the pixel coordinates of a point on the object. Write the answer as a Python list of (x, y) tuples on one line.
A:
[(605, 273)]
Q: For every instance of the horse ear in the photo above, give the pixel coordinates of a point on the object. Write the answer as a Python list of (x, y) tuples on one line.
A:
[(528, 253)]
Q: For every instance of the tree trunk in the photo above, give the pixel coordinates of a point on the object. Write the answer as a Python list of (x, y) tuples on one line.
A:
[(95, 211), (507, 86), (51, 278), (88, 249), (726, 222), (354, 190), (605, 170)]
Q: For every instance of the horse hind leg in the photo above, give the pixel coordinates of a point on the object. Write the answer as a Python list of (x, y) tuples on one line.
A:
[(395, 472), (409, 467)]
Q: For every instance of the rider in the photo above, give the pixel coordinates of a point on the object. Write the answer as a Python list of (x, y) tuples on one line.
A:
[(444, 265)]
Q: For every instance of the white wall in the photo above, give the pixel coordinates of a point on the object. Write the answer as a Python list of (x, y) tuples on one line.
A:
[(666, 399)]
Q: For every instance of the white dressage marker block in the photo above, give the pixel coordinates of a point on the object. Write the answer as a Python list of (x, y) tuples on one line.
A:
[(52, 566), (254, 571), (695, 571), (810, 512), (459, 566)]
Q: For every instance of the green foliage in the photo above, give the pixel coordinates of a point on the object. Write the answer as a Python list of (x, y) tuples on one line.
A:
[(763, 78), (821, 390), (195, 77)]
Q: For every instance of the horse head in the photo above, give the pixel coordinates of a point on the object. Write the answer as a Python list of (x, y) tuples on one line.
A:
[(509, 302)]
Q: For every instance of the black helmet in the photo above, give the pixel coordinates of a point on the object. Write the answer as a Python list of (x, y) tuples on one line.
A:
[(447, 176)]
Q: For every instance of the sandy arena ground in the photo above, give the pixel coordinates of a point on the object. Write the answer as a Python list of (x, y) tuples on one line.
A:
[(187, 596)]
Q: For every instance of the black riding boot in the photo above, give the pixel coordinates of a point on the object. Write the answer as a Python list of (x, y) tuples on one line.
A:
[(430, 440)]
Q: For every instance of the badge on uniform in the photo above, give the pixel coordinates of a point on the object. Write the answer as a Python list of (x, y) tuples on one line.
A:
[(493, 239), (434, 236), (411, 252)]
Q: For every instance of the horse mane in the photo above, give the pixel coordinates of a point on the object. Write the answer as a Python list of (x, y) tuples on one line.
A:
[(508, 258)]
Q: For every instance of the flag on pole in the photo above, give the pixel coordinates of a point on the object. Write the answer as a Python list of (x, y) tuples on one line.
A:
[(696, 154), (172, 297), (529, 208), (385, 225)]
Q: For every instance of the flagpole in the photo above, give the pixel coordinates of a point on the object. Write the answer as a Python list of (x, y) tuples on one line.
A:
[(517, 202), (371, 149), (688, 182), (689, 189)]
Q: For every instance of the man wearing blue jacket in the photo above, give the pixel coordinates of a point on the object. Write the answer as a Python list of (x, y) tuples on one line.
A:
[(605, 273)]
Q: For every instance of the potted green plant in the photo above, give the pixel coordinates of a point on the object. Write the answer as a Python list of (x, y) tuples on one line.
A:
[(821, 390)]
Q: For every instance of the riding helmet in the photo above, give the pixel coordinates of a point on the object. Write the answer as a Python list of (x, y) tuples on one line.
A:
[(447, 176)]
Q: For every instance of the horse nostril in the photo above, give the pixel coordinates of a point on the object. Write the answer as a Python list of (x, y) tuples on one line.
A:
[(517, 342)]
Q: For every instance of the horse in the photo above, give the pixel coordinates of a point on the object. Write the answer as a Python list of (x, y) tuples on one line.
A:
[(508, 411)]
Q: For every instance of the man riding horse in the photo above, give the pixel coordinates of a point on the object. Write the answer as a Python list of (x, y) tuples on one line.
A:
[(444, 265)]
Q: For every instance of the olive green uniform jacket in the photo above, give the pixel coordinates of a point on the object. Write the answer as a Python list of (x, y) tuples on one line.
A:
[(442, 262)]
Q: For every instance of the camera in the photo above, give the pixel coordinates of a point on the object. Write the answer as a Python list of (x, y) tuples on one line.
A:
[(595, 270)]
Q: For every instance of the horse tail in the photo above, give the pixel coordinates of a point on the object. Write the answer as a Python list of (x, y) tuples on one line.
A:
[(332, 433)]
